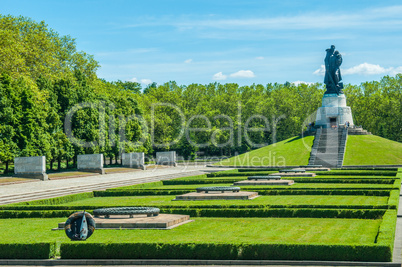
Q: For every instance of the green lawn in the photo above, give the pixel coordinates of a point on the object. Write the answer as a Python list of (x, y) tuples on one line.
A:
[(372, 150), (290, 152), (160, 201), (204, 230)]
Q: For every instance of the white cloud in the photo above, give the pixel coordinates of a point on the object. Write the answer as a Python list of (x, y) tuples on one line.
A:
[(243, 74), (143, 81), (320, 71), (259, 58), (146, 81), (219, 76), (364, 69), (188, 60), (297, 83)]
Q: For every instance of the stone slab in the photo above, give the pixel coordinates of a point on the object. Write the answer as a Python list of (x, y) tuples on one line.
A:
[(30, 167), (213, 196), (294, 174), (321, 169), (90, 163), (166, 158), (133, 160), (266, 182), (162, 221)]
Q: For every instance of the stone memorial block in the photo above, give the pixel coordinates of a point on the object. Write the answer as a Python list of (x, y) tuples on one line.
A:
[(90, 163), (133, 160), (30, 167), (166, 158)]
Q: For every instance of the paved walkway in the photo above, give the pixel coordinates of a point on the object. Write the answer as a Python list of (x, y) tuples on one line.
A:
[(45, 189), (397, 253)]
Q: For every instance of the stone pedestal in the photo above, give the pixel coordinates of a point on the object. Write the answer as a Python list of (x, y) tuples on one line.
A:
[(333, 112), (30, 167), (90, 163), (166, 158), (134, 160)]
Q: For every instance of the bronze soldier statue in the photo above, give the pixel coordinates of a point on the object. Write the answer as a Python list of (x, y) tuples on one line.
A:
[(333, 78)]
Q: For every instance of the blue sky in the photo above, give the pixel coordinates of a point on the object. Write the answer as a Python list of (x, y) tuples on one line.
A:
[(227, 41)]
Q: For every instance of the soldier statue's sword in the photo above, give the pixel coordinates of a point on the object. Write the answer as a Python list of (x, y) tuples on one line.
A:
[(84, 228)]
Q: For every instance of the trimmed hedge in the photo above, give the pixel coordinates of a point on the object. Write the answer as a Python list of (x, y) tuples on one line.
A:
[(58, 200), (260, 170), (27, 250), (233, 174), (386, 233), (279, 213), (359, 173), (363, 212), (8, 214), (202, 181), (142, 186), (221, 251), (279, 191)]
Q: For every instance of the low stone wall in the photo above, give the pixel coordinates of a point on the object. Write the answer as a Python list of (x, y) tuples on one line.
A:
[(30, 167), (133, 160), (166, 158), (90, 163)]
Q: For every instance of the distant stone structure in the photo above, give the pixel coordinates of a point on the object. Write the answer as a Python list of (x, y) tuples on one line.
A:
[(166, 158), (91, 163), (30, 167), (134, 160)]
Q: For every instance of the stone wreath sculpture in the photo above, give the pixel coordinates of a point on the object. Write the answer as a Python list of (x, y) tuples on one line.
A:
[(131, 211)]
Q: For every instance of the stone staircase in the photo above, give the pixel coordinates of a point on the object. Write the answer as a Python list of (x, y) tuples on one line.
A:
[(329, 147), (357, 130)]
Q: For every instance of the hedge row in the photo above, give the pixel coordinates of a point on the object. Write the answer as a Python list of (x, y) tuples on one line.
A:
[(386, 233), (298, 180), (233, 174), (265, 212), (284, 191), (359, 173), (58, 200), (260, 170), (344, 181), (8, 214), (332, 173), (27, 250), (142, 186), (202, 181), (222, 251)]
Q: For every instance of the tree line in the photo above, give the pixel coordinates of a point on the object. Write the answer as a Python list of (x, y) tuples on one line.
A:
[(44, 80)]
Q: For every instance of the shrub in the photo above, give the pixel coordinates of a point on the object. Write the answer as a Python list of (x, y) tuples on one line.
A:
[(59, 200), (27, 250), (221, 251)]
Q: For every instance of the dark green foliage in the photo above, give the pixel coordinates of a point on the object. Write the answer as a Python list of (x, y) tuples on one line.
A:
[(349, 213), (219, 251), (229, 174), (59, 200), (359, 173), (27, 251), (7, 214)]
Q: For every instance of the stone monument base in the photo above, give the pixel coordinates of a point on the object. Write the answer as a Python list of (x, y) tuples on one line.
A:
[(266, 182), (334, 112), (162, 221), (213, 196), (40, 176), (100, 171)]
